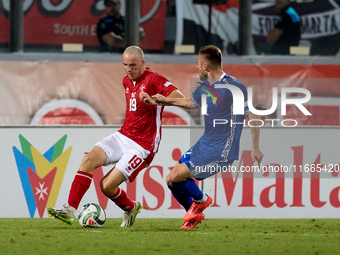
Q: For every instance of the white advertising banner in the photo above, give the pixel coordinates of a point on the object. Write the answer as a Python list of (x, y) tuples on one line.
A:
[(298, 178)]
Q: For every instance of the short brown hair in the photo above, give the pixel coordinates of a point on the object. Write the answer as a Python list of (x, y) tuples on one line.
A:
[(213, 54)]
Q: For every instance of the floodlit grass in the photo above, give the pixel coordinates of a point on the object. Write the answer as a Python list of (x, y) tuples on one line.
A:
[(162, 236)]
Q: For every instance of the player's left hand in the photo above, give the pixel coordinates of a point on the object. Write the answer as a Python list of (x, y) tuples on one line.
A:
[(159, 98), (145, 97), (257, 156)]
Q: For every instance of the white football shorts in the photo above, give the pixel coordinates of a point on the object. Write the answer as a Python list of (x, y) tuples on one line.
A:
[(128, 156)]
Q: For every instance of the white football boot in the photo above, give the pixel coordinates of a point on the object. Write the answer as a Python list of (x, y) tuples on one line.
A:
[(129, 217), (66, 214)]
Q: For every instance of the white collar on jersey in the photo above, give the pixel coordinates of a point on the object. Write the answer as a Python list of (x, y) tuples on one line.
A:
[(221, 77)]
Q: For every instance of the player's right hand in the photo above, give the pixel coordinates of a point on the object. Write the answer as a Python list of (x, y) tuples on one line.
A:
[(257, 156)]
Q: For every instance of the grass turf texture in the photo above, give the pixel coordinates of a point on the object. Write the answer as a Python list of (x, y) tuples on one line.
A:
[(162, 236)]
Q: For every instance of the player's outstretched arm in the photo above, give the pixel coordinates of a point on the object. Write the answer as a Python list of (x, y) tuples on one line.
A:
[(256, 153), (175, 94), (146, 98), (185, 102)]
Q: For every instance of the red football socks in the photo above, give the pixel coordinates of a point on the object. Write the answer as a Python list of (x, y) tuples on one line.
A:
[(122, 200), (80, 185)]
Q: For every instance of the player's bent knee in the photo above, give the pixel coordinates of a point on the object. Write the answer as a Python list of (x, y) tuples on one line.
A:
[(88, 164), (107, 188), (168, 180), (104, 187), (110, 182), (179, 173), (92, 160), (174, 176)]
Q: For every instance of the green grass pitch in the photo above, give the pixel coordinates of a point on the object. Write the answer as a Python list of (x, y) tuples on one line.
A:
[(162, 236)]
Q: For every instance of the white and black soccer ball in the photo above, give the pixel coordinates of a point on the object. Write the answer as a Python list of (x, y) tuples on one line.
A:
[(91, 215)]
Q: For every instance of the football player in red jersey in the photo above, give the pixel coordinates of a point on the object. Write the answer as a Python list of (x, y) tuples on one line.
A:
[(131, 148)]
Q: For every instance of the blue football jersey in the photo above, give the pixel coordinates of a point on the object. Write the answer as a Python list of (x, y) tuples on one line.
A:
[(223, 129)]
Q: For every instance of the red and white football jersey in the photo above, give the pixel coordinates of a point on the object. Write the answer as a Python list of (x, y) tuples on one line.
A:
[(142, 121)]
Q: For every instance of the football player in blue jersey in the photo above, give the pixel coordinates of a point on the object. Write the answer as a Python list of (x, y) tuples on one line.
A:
[(219, 145)]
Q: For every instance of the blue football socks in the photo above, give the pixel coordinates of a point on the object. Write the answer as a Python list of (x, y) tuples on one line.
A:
[(183, 199), (184, 191)]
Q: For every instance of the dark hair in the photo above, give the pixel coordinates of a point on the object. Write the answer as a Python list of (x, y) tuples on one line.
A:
[(213, 54)]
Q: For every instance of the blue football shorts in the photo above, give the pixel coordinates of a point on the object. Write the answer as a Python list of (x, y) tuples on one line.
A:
[(203, 165)]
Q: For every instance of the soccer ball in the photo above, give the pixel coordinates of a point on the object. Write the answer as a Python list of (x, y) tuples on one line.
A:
[(92, 215)]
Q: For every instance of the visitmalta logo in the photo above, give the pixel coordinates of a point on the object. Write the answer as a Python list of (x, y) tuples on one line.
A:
[(41, 175)]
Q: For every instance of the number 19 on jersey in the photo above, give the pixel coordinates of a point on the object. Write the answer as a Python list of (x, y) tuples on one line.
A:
[(133, 104)]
